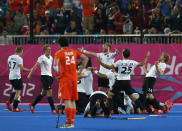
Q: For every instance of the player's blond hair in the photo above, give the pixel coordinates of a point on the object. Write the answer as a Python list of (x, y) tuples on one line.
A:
[(109, 45), (166, 56)]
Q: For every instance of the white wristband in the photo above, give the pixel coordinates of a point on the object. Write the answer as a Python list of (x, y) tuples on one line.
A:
[(84, 51), (95, 71)]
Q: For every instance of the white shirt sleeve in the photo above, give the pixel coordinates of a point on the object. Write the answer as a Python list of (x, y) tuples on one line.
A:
[(116, 64), (162, 67), (98, 54), (135, 63), (40, 59), (20, 61)]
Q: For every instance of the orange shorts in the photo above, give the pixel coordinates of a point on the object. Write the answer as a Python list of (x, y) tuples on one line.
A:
[(67, 89)]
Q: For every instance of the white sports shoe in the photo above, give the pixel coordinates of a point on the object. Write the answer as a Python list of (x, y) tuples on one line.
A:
[(67, 126)]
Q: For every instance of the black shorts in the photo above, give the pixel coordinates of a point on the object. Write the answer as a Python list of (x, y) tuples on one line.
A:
[(46, 82), (122, 85), (148, 84), (17, 84), (102, 82)]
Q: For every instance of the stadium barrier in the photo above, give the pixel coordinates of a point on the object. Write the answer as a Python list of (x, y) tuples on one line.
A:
[(98, 39), (167, 86)]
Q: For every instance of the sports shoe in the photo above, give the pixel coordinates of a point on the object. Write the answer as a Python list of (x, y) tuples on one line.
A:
[(144, 112), (152, 109), (31, 108), (158, 111), (169, 103), (54, 111), (166, 109), (8, 105), (17, 110), (67, 126)]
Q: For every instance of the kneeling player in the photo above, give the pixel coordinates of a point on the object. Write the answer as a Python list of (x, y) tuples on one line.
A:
[(97, 105), (148, 85)]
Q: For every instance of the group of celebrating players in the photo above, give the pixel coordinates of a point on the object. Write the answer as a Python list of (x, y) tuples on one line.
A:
[(119, 98)]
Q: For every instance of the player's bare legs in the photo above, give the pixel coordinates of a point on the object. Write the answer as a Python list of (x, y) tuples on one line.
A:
[(70, 112), (51, 102), (38, 99)]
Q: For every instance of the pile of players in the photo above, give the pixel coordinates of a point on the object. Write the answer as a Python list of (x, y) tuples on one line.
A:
[(121, 97)]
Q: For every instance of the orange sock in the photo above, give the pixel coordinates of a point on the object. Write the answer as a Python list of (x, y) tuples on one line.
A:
[(73, 113), (68, 115)]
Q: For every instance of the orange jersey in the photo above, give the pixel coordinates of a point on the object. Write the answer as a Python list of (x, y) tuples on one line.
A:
[(67, 62), (68, 79)]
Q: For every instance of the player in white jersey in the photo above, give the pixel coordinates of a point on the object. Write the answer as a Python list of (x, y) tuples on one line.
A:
[(15, 64), (45, 63), (125, 67), (84, 87), (98, 103), (107, 58), (150, 80)]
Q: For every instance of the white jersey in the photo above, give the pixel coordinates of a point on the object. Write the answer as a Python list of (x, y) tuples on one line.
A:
[(13, 63), (112, 78), (88, 82), (153, 72), (106, 59), (85, 84), (125, 67), (45, 65), (80, 85)]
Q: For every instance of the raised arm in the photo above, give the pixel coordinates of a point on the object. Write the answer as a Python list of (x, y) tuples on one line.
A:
[(105, 65), (117, 51), (33, 69), (145, 60), (145, 70), (87, 52)]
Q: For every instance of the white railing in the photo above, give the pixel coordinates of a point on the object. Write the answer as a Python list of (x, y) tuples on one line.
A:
[(98, 39)]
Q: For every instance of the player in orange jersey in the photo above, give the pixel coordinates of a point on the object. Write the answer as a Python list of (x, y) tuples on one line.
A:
[(66, 59)]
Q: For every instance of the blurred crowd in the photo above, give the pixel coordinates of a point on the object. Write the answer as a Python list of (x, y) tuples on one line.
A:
[(77, 17)]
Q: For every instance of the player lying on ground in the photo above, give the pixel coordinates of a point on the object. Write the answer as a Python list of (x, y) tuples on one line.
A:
[(121, 103), (98, 105)]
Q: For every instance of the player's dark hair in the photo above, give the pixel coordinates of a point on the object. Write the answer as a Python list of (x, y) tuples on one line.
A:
[(45, 47), (19, 49), (126, 53), (63, 42), (89, 63)]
